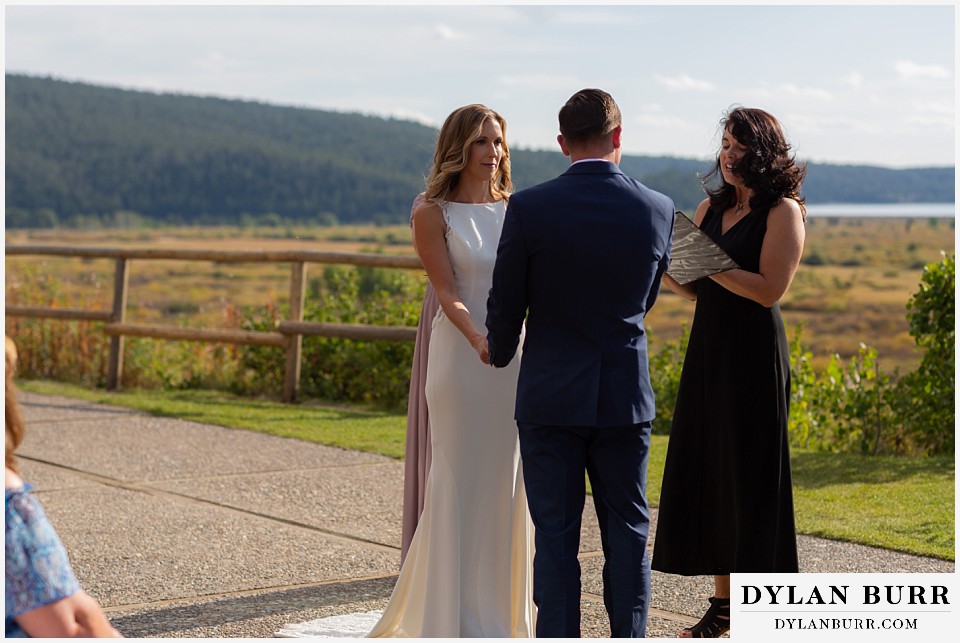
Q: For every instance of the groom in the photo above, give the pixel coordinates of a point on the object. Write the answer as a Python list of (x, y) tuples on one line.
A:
[(581, 257)]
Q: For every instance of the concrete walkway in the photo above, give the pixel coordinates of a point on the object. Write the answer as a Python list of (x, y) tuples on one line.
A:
[(182, 529)]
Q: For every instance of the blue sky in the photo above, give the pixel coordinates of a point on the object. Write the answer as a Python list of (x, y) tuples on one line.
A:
[(869, 84)]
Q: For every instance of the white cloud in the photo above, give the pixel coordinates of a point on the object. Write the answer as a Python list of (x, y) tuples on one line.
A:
[(807, 123), (934, 107), (930, 120), (774, 98), (654, 115), (684, 82), (411, 115), (593, 17), (932, 113), (910, 69), (448, 33), (805, 92), (854, 79), (215, 63), (540, 81)]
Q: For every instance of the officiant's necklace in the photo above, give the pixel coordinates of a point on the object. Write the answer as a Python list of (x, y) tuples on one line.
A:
[(742, 203)]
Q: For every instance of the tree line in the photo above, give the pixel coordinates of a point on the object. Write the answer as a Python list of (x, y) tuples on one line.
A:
[(79, 154)]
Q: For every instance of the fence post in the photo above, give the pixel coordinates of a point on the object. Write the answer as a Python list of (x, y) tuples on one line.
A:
[(117, 316), (291, 378)]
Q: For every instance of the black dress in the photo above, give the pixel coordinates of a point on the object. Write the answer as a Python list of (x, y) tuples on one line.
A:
[(727, 504)]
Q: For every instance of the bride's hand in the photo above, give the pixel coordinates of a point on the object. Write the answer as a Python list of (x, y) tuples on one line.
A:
[(479, 344)]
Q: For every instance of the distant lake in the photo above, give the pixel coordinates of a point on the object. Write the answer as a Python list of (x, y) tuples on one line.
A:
[(881, 209)]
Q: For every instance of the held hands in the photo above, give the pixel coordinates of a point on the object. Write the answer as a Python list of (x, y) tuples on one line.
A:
[(479, 344)]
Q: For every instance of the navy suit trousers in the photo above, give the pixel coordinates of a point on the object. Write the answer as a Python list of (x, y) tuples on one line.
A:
[(615, 458)]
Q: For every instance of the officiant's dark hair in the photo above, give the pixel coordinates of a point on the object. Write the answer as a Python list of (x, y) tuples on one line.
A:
[(588, 115), (768, 168)]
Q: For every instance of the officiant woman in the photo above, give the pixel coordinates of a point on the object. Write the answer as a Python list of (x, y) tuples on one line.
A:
[(727, 505)]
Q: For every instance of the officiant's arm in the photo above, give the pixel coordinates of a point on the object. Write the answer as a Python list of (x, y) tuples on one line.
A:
[(429, 233), (688, 291), (779, 258)]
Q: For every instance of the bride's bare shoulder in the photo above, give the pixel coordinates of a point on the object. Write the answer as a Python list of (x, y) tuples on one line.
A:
[(427, 212)]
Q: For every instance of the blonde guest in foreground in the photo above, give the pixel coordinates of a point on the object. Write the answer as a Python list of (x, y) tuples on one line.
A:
[(43, 597)]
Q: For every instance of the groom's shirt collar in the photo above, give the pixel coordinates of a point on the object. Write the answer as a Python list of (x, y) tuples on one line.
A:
[(587, 161)]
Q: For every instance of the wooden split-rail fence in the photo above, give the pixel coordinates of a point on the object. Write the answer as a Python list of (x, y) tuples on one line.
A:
[(288, 335)]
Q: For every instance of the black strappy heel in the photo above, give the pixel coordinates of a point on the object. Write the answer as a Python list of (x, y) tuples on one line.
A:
[(714, 623)]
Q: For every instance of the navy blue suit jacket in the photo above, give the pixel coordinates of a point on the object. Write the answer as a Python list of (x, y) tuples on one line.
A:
[(580, 257)]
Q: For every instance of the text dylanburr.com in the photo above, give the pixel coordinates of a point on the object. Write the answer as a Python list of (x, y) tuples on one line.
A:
[(826, 607)]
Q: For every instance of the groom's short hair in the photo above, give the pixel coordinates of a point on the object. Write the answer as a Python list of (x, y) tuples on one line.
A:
[(588, 115)]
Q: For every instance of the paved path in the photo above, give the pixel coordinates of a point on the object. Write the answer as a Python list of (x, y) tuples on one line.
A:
[(182, 529)]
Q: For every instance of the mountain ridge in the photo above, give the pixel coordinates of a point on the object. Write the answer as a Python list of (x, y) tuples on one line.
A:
[(76, 150)]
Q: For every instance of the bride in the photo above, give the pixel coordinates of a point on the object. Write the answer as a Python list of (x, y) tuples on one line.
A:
[(468, 571)]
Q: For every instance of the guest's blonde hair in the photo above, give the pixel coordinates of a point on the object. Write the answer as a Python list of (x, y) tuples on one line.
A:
[(14, 421), (457, 134)]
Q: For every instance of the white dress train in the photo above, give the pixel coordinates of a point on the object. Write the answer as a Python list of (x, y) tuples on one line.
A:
[(469, 569)]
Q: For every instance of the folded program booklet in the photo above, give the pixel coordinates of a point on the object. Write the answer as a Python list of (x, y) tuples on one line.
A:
[(695, 255)]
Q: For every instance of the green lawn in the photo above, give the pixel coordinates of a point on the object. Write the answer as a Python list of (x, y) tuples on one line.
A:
[(898, 503), (894, 502)]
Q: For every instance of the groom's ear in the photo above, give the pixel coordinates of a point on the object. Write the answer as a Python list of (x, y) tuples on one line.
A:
[(616, 136), (563, 148)]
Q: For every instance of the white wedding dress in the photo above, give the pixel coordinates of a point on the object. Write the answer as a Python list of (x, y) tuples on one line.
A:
[(469, 570)]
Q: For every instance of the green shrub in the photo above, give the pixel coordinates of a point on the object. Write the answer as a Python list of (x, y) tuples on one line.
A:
[(665, 366), (927, 395), (341, 370), (856, 406), (73, 351)]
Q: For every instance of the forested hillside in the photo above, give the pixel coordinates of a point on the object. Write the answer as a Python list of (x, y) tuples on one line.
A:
[(80, 153)]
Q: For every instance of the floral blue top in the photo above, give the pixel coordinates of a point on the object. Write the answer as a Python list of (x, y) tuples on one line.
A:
[(38, 572)]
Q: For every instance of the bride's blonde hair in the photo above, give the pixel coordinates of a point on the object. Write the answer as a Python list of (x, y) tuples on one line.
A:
[(457, 134)]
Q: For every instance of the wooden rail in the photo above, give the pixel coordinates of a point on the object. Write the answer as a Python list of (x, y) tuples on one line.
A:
[(289, 333)]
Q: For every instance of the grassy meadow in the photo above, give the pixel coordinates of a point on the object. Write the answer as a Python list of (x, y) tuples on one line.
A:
[(855, 280), (852, 286)]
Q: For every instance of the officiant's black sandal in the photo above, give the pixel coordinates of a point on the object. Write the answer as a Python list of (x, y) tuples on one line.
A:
[(714, 623)]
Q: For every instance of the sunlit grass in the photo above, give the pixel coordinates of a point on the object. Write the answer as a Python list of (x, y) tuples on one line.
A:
[(353, 427), (894, 502), (901, 503)]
